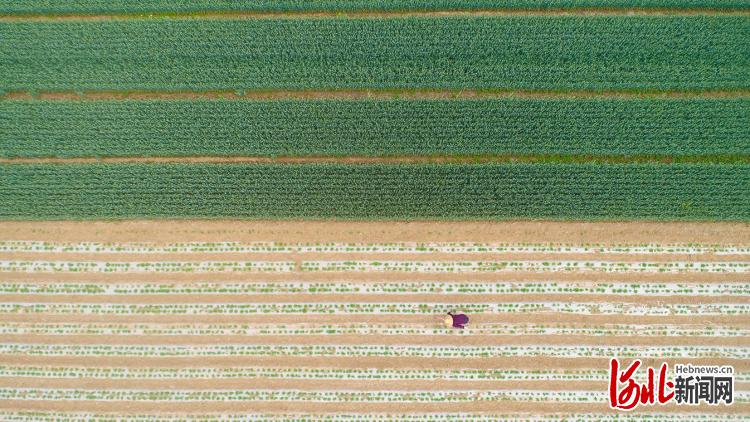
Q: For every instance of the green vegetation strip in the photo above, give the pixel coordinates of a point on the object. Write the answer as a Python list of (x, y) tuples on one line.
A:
[(351, 191), (624, 129), (527, 52), (196, 6)]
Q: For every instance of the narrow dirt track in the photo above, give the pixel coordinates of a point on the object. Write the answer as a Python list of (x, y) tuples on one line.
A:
[(162, 232), (237, 14)]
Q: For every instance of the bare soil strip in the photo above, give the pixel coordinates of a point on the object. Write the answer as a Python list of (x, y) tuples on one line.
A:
[(366, 94), (235, 14), (162, 232)]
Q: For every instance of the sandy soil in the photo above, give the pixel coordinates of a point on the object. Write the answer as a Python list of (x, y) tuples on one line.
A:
[(170, 231), (234, 14)]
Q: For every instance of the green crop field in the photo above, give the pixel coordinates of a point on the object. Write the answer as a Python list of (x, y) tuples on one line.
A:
[(676, 128), (322, 191), (196, 6), (556, 53)]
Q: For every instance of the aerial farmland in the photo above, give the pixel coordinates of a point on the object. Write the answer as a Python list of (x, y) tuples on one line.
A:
[(391, 210)]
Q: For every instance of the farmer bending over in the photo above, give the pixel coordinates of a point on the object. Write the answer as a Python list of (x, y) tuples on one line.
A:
[(456, 320)]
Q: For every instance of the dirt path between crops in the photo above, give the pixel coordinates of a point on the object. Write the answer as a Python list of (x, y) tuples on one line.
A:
[(160, 232), (237, 14)]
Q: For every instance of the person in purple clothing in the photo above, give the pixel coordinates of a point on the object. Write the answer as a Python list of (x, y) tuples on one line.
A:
[(456, 320)]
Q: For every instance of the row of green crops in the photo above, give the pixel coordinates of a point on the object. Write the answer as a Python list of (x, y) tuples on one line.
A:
[(413, 308), (355, 248), (196, 6), (311, 373), (525, 52), (297, 396), (451, 287), (374, 127), (366, 266), (359, 329), (320, 191), (432, 351)]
